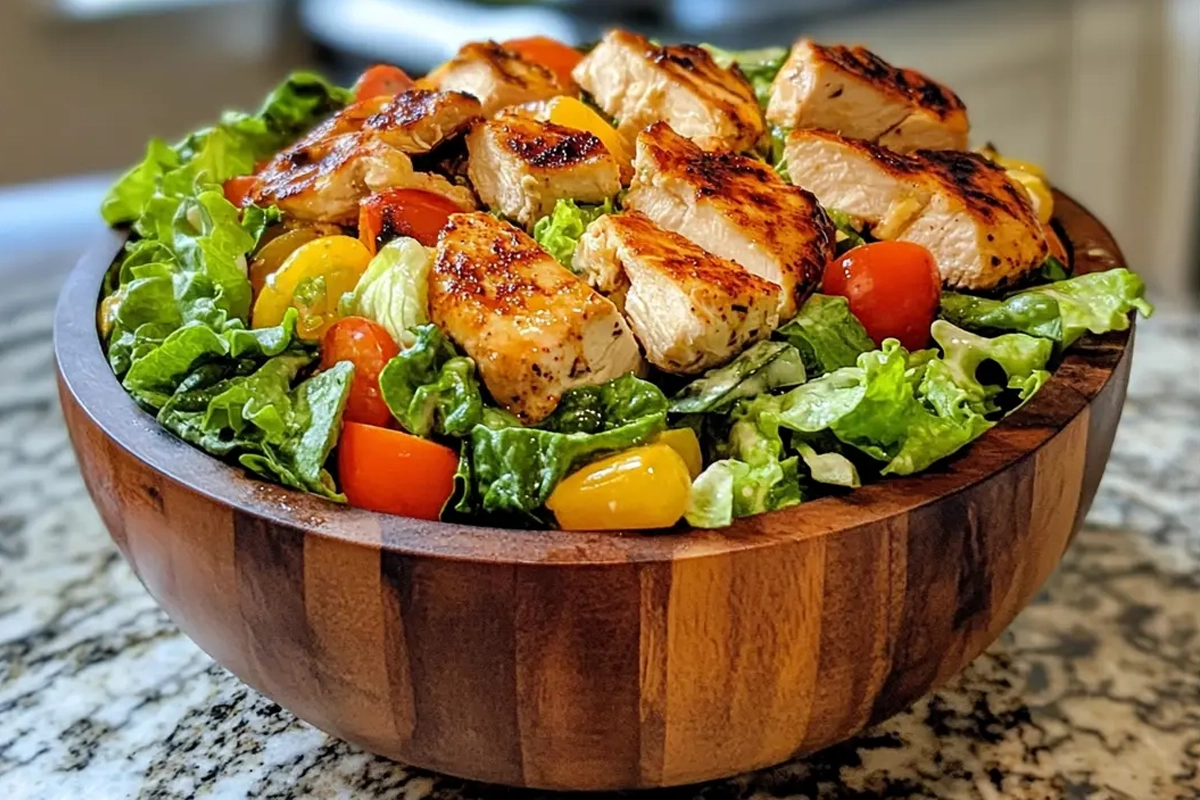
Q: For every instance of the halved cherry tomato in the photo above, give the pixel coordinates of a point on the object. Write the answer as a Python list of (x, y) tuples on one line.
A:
[(382, 80), (550, 53), (312, 280), (369, 347), (238, 190), (640, 489), (893, 288), (572, 113), (387, 470), (403, 212), (271, 256)]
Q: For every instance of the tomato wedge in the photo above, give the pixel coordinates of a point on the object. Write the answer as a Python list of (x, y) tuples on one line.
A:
[(403, 212), (387, 470), (239, 190), (893, 288), (382, 80), (550, 53), (369, 347)]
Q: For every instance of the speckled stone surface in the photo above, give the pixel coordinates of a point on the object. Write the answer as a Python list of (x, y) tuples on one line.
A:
[(1094, 692)]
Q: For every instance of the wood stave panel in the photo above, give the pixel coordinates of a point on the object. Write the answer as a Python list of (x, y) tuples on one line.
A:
[(450, 655)]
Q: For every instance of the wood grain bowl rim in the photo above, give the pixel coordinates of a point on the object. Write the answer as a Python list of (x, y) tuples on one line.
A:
[(85, 373)]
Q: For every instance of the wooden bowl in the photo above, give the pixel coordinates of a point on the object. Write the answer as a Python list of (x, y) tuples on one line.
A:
[(598, 661)]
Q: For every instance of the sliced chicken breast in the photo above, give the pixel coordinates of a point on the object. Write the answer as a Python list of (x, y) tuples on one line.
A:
[(521, 167), (364, 149), (853, 92), (639, 83), (498, 77), (977, 221), (691, 310), (534, 328), (735, 207)]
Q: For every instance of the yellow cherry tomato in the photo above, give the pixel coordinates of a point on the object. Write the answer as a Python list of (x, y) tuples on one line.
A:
[(572, 113), (270, 256), (684, 442), (640, 489), (1039, 192), (312, 280)]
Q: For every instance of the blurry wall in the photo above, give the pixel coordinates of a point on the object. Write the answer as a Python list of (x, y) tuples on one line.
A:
[(82, 94)]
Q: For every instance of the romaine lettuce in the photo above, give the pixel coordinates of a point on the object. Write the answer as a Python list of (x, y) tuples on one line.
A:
[(730, 488), (514, 470), (559, 231), (394, 290), (827, 335), (1099, 302), (761, 368), (274, 430), (430, 389)]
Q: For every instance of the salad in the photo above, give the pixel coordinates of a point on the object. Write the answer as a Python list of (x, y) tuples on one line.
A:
[(625, 287)]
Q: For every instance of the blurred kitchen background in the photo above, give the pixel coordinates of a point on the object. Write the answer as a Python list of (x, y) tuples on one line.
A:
[(1104, 93)]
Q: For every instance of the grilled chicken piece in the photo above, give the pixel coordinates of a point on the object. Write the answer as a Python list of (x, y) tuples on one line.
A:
[(535, 329), (639, 83), (690, 309), (736, 207), (364, 149), (521, 167), (856, 93), (498, 77), (978, 223), (418, 121)]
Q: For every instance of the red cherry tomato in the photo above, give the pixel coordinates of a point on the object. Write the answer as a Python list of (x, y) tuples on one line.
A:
[(552, 54), (893, 288), (238, 190), (370, 348), (403, 212), (382, 80)]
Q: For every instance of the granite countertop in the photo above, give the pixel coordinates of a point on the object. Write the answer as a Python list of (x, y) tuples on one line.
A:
[(1094, 692)]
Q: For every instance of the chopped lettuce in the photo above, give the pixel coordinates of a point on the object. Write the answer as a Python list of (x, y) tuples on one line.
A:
[(430, 389), (514, 470), (761, 368), (559, 231), (394, 289), (1023, 359), (275, 430), (827, 335), (1099, 302), (829, 468), (730, 488), (759, 66), (156, 375)]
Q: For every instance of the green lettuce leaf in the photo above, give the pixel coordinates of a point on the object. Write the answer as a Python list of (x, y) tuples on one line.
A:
[(394, 289), (277, 431), (430, 388), (827, 335), (829, 468), (730, 488), (761, 368), (1023, 359), (1099, 302), (514, 470), (559, 231), (156, 374)]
